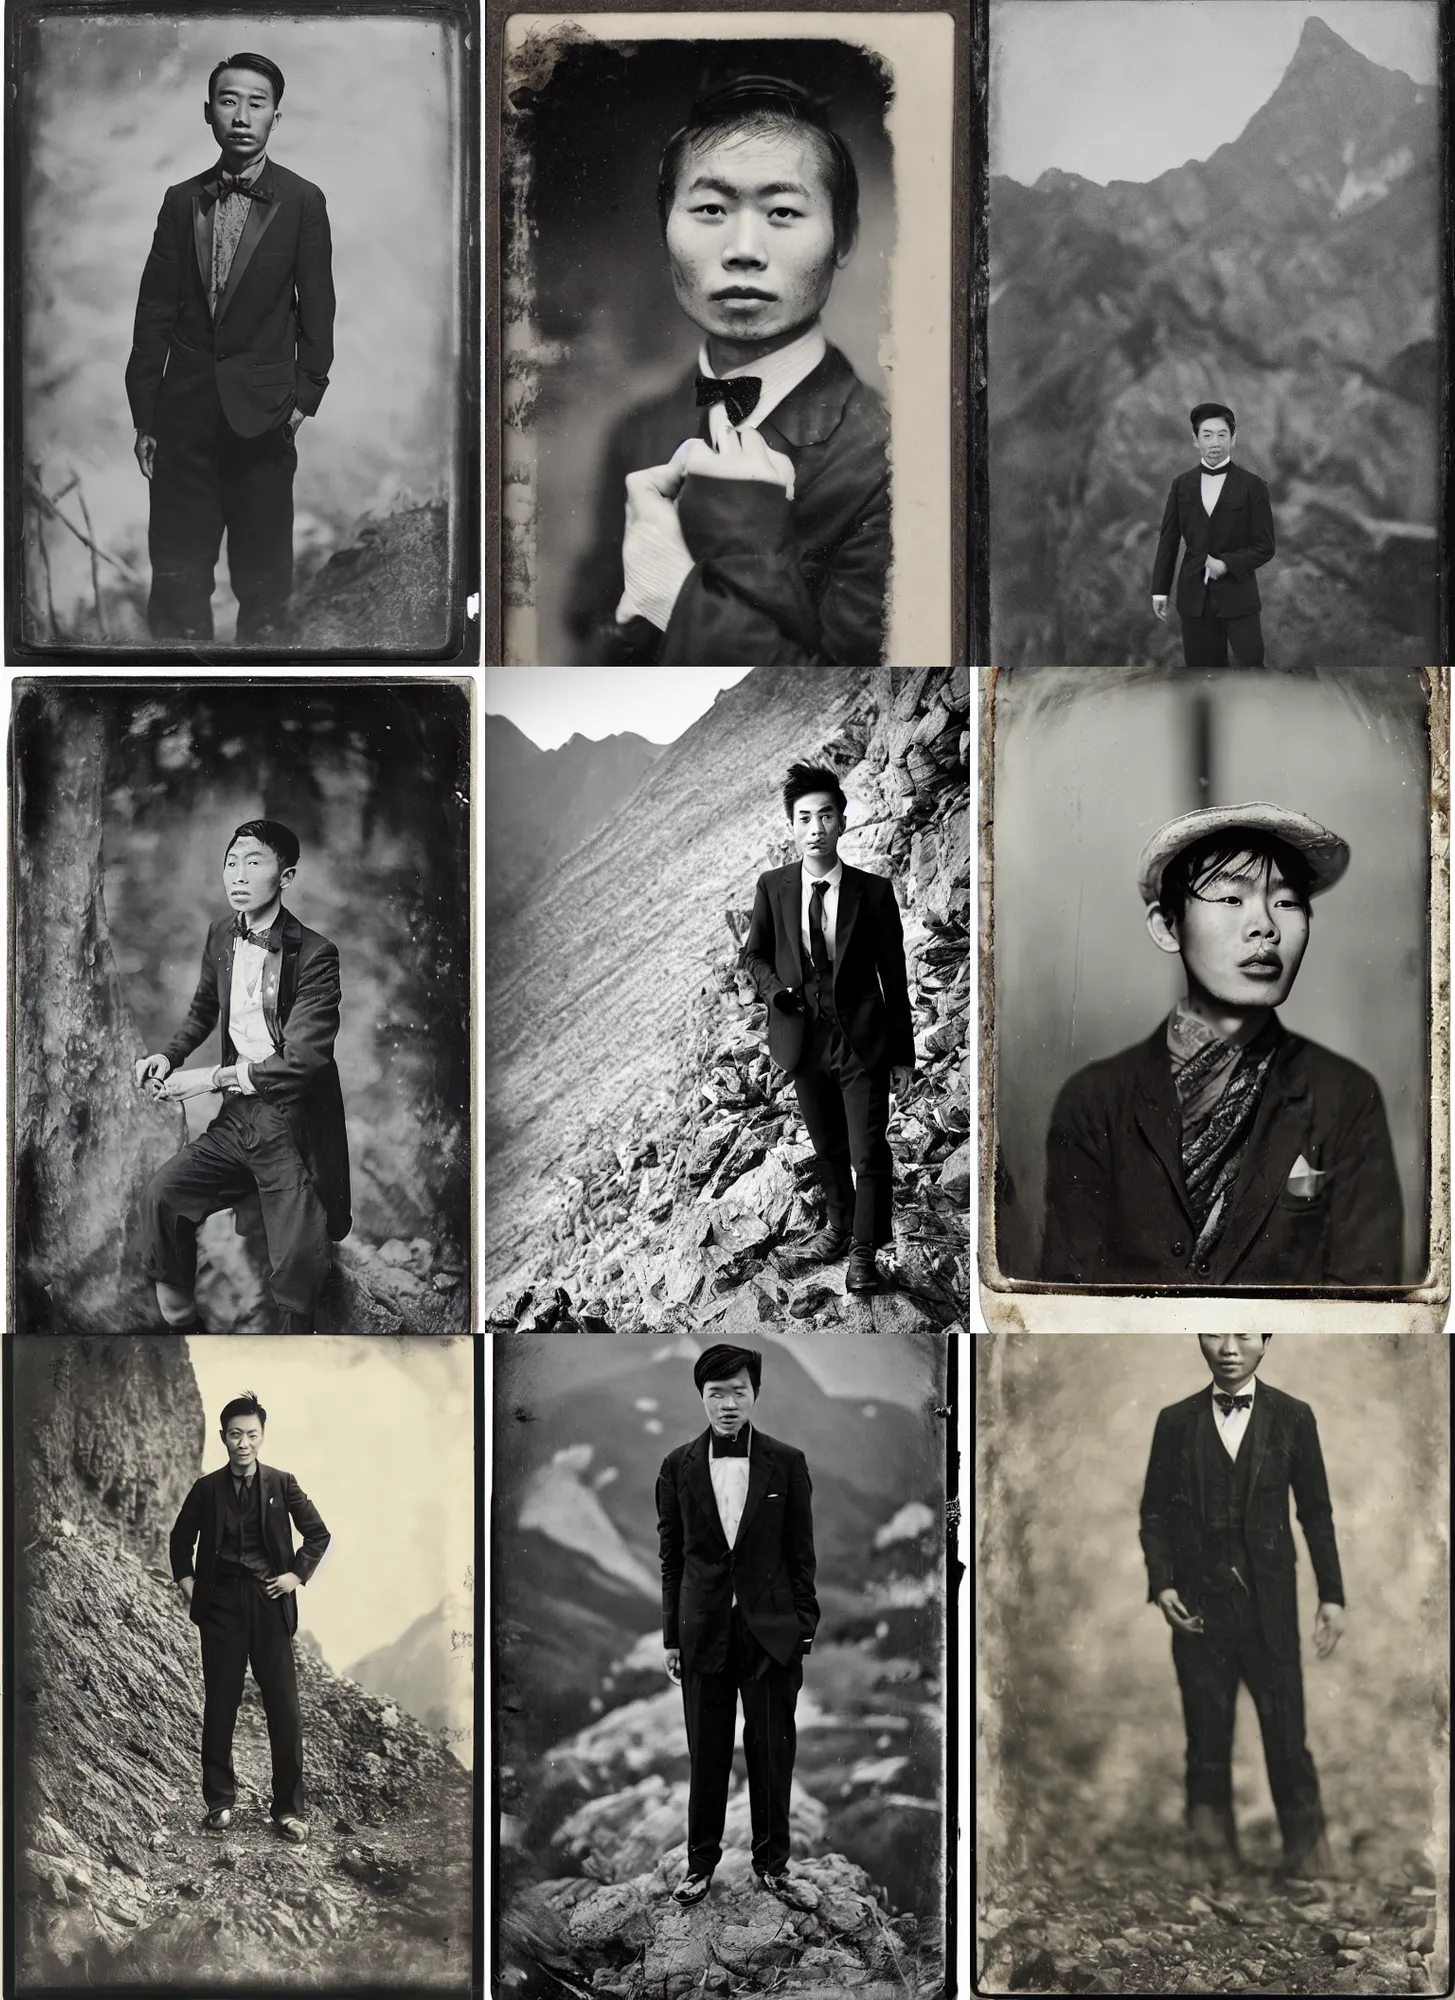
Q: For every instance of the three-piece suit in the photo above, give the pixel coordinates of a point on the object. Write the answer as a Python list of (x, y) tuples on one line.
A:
[(232, 1547), (743, 1617), (287, 1144), (1239, 531), (1117, 1208), (1216, 1530), (838, 1034), (775, 582), (216, 393)]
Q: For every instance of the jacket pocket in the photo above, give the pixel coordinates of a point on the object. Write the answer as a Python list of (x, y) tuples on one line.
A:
[(264, 372)]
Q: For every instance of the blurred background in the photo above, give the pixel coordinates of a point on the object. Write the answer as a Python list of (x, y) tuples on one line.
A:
[(111, 116), (1084, 1744), (607, 330), (1088, 766), (582, 1703)]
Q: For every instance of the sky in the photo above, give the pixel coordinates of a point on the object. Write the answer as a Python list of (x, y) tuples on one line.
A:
[(1125, 89), (379, 1434), (552, 704)]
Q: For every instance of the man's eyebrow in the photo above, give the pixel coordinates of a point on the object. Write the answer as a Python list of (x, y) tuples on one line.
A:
[(704, 185)]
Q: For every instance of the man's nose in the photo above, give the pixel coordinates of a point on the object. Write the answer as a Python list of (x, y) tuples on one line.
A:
[(744, 244)]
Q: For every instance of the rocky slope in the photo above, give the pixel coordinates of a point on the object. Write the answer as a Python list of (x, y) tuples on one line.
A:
[(680, 1210), (1294, 275), (540, 804)]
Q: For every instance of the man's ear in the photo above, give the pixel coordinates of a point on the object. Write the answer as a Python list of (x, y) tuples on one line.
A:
[(1162, 933), (286, 877)]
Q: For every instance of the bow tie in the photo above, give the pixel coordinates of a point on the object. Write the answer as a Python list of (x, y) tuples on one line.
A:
[(1227, 1404), (1215, 471), (739, 397), (245, 936), (733, 1447), (227, 185)]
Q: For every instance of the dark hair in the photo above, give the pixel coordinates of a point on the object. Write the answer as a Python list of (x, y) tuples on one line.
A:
[(805, 778), (717, 1363), (249, 61), (1216, 854), (245, 1405), (1205, 410), (272, 833), (757, 104)]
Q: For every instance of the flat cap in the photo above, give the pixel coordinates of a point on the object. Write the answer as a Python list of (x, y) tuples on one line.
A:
[(1326, 855)]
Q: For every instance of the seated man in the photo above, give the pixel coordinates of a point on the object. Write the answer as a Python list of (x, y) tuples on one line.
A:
[(1224, 1150), (743, 518)]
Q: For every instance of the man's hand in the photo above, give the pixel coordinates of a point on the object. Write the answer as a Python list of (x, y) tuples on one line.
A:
[(1159, 608), (1177, 1614), (673, 1658), (743, 455), (224, 1078), (282, 1586), (901, 1076), (1328, 1626), (185, 1585), (295, 420), (1215, 567), (150, 1071), (146, 453), (655, 559), (187, 1083)]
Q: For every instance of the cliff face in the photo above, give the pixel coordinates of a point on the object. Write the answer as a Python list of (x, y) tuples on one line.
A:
[(1293, 275), (671, 1210)]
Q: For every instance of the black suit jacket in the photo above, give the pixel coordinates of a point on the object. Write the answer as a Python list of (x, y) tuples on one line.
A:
[(301, 1008), (770, 1565), (1116, 1206), (776, 582), (1239, 531), (272, 345), (200, 1523), (871, 991), (1283, 1442)]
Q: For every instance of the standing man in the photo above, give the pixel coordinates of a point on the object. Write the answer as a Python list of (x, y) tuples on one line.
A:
[(280, 1132), (825, 949), (231, 351), (241, 1596), (1223, 1150), (735, 1525), (1225, 518), (743, 517), (1220, 1565)]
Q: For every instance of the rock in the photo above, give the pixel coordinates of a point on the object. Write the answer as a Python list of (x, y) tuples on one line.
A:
[(957, 1175), (612, 1914), (1228, 1911)]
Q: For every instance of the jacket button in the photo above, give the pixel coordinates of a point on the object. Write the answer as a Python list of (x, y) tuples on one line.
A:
[(1179, 1249), (1202, 1264)]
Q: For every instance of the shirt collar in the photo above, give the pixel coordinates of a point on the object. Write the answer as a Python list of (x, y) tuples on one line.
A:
[(833, 878), (779, 372), (1249, 1388), (1213, 472), (247, 176), (243, 1478)]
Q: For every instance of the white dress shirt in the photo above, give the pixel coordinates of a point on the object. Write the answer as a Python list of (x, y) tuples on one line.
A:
[(1232, 1427), (830, 913), (779, 372), (1212, 486), (730, 1489), (246, 1021)]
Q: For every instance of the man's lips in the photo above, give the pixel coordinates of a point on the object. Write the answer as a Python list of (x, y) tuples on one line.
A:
[(744, 295), (1265, 965)]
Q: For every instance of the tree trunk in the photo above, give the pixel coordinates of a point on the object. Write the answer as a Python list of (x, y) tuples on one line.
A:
[(86, 1140)]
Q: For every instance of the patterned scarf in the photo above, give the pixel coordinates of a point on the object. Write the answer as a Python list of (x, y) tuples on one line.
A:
[(1219, 1088)]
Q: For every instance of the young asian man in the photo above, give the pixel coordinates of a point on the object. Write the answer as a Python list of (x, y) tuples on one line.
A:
[(231, 351), (280, 1132), (1220, 1567), (825, 949), (1225, 1150), (743, 517), (735, 1527), (1223, 515)]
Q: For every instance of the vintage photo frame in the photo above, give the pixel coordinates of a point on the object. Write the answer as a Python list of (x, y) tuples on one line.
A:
[(386, 524), (1030, 1304), (516, 356)]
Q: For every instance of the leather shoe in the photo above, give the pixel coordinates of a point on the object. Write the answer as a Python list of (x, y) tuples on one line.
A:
[(826, 1247), (787, 1891), (692, 1888), (863, 1271), (1213, 1835), (219, 1820)]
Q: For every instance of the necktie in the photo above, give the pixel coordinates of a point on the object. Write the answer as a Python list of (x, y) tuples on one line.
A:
[(817, 943), (733, 1447), (739, 397), (1227, 1404)]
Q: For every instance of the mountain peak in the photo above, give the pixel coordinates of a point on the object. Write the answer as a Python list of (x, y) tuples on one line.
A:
[(1319, 39)]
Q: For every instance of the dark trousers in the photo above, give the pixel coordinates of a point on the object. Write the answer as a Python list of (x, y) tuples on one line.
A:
[(241, 1627), (1232, 1648), (769, 1695), (846, 1109), (1205, 641), (247, 1149), (207, 480)]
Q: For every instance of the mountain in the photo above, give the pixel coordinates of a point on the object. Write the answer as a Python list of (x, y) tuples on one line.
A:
[(540, 804), (1293, 275), (427, 1670)]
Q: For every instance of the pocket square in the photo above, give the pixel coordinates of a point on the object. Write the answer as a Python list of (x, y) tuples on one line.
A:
[(1304, 1181)]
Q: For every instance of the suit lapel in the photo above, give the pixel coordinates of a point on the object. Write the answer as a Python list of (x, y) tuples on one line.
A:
[(1204, 1441), (224, 984), (850, 897), (1257, 1434), (280, 975), (219, 1505), (1273, 1145), (791, 910), (1156, 1113), (260, 217), (699, 1480), (202, 240), (760, 1472)]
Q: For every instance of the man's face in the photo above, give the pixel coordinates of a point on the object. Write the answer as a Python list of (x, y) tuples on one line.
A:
[(242, 113), (244, 1440), (1242, 937), (750, 235), (1232, 1357), (1215, 440), (818, 826), (728, 1403), (253, 875)]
